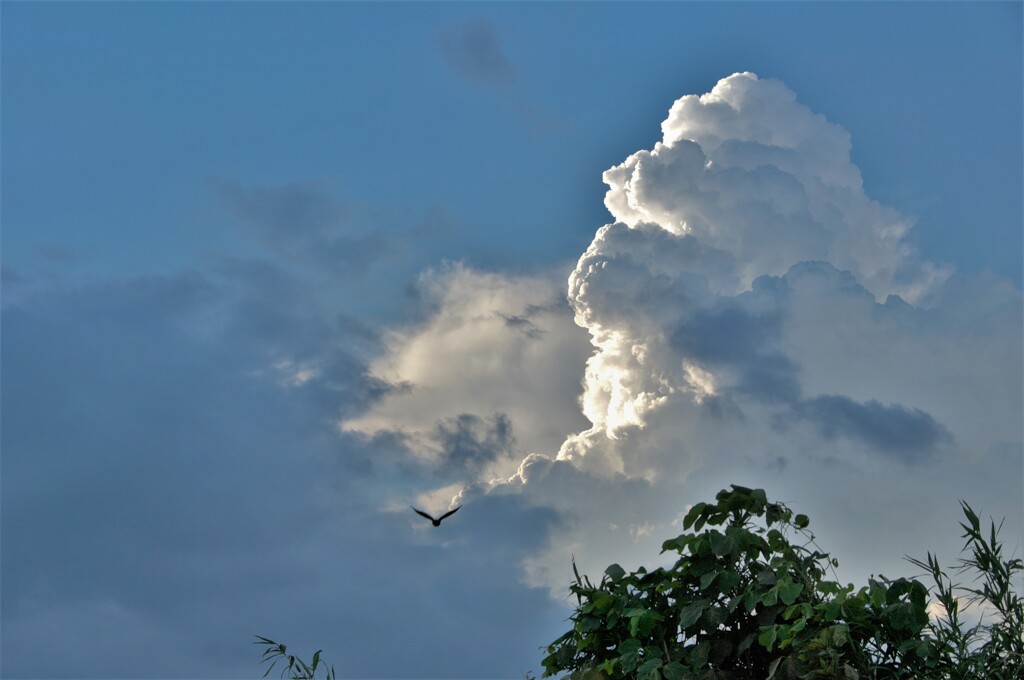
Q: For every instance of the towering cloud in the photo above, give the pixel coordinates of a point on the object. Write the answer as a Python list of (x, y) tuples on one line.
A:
[(748, 170), (753, 316), (688, 290)]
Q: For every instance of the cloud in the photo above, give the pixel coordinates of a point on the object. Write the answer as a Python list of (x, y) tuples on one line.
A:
[(456, 364), (474, 50), (469, 442), (754, 317), (173, 480), (138, 460), (747, 169), (58, 253), (189, 459), (304, 223), (890, 428)]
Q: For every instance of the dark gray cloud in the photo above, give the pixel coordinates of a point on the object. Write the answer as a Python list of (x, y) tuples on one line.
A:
[(521, 323), (469, 442), (740, 335), (908, 434), (474, 50), (166, 488), (435, 589), (729, 335), (141, 468)]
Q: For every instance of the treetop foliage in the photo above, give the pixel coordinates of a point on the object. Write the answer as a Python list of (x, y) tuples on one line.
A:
[(750, 597)]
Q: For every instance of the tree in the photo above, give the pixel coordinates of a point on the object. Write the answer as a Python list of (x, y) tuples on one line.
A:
[(747, 602)]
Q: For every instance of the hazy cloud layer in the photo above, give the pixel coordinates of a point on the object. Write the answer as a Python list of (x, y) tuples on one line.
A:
[(304, 223), (173, 480)]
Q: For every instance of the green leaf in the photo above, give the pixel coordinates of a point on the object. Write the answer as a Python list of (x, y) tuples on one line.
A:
[(918, 595), (801, 521), (972, 517), (713, 617), (746, 642), (649, 670), (692, 515), (691, 613), (708, 578), (615, 572), (788, 592), (629, 655), (678, 544), (840, 635), (630, 646), (722, 545), (727, 581), (675, 671), (877, 593), (768, 636), (902, 616), (699, 655), (613, 619)]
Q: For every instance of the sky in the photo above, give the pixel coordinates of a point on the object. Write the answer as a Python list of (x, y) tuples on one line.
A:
[(272, 273)]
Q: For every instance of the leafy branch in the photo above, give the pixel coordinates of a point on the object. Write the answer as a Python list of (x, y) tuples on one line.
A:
[(295, 668)]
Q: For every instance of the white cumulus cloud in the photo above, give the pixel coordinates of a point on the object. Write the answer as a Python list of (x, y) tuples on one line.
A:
[(498, 351), (753, 317)]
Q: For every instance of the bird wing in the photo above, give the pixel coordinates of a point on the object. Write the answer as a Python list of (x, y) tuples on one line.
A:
[(420, 512), (450, 512)]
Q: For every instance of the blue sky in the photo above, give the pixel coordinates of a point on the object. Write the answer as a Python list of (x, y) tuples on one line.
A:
[(273, 272)]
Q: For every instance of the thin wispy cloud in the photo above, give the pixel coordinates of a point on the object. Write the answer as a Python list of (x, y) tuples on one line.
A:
[(474, 50), (57, 253), (305, 223)]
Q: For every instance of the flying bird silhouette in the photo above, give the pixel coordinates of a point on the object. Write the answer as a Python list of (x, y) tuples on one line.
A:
[(437, 522)]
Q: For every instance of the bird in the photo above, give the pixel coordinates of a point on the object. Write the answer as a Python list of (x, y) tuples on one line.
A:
[(437, 522)]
